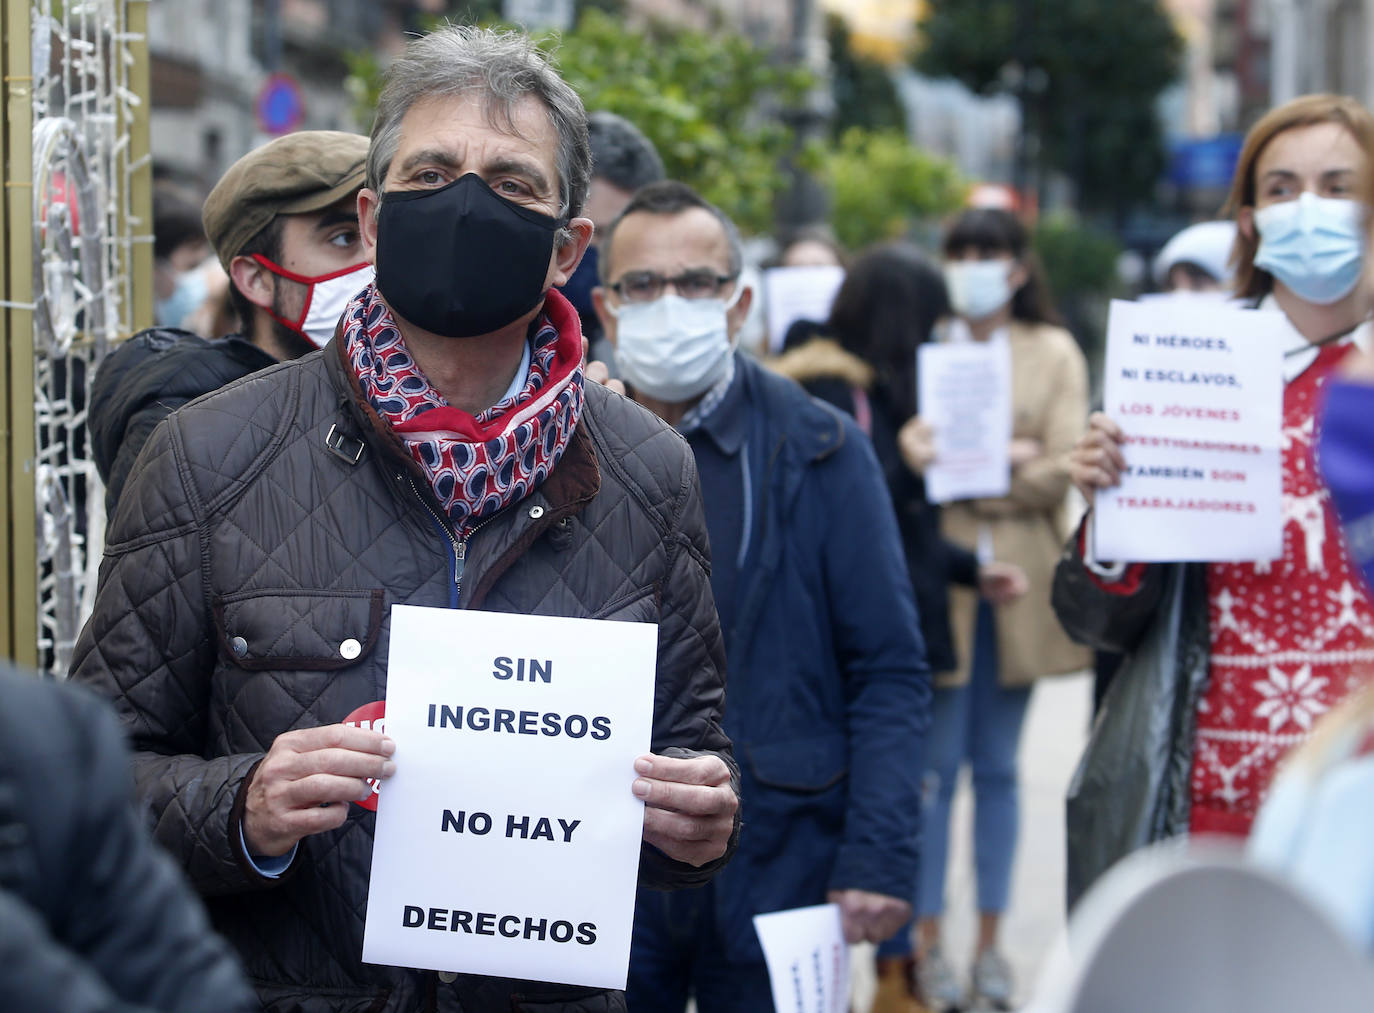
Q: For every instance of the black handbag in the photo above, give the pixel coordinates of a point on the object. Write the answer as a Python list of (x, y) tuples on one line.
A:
[(1131, 786)]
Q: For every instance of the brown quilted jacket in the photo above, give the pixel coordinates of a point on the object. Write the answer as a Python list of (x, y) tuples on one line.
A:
[(272, 521)]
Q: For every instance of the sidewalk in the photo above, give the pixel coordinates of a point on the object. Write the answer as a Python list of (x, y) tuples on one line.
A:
[(1055, 732)]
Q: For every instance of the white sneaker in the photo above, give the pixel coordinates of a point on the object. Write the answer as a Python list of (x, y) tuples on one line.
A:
[(938, 983), (992, 984)]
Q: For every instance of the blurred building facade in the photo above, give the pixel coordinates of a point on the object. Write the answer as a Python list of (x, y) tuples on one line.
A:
[(1245, 56), (212, 58)]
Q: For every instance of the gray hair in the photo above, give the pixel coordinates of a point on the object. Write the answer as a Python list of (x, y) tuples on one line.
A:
[(503, 67)]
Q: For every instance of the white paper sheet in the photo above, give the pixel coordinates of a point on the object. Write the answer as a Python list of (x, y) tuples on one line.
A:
[(965, 395), (798, 293), (808, 959), (1198, 390), (508, 839)]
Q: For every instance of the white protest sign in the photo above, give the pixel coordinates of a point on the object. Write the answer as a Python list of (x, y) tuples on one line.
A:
[(798, 293), (808, 959), (508, 839), (1197, 388), (965, 395)]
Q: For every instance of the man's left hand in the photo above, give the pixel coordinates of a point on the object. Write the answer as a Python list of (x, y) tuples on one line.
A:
[(869, 917), (689, 806)]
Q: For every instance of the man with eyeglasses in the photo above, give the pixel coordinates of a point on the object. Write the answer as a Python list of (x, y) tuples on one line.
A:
[(828, 687)]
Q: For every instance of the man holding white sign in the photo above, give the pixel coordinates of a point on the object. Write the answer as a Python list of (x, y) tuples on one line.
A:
[(442, 452)]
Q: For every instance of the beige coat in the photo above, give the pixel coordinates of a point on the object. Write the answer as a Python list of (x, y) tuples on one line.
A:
[(1049, 404)]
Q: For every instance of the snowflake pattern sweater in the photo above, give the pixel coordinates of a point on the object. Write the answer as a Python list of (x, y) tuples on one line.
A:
[(1289, 639)]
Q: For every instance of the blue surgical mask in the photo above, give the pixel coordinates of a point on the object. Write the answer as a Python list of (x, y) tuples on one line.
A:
[(191, 290), (978, 288), (1314, 245), (674, 349)]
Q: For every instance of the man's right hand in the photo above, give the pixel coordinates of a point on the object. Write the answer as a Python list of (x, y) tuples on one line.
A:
[(1096, 461), (305, 782)]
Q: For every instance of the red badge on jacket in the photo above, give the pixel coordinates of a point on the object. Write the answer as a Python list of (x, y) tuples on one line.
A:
[(371, 716)]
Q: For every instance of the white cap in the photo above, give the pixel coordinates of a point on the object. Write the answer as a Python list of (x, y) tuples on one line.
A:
[(1207, 244)]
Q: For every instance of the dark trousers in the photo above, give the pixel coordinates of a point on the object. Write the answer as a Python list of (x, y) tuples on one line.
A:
[(676, 952)]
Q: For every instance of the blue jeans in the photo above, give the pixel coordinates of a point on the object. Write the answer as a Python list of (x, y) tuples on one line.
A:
[(979, 722), (676, 951)]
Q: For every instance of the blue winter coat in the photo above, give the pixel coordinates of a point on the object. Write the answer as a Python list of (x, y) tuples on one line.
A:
[(828, 694)]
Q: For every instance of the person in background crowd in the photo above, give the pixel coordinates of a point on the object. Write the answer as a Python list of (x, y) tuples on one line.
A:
[(828, 685), (864, 362), (94, 918), (811, 246), (623, 160), (179, 250), (1197, 259), (1276, 644), (442, 452), (997, 295), (284, 224)]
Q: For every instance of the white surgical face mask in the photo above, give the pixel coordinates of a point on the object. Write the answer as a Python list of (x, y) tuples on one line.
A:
[(978, 288), (326, 297), (1314, 245), (673, 349), (192, 289)]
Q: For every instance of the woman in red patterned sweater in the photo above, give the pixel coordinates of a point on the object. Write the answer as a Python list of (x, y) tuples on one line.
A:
[(1285, 641)]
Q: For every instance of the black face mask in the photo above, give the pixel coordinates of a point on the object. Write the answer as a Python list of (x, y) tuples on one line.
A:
[(461, 260)]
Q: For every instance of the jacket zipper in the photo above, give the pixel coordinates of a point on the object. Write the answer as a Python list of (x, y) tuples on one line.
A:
[(457, 547)]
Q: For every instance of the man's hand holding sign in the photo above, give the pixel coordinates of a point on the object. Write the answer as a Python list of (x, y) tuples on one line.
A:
[(689, 806), (295, 788)]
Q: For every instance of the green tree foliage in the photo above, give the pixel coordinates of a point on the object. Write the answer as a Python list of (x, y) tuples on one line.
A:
[(1080, 265), (713, 105), (1090, 72), (708, 102), (882, 186)]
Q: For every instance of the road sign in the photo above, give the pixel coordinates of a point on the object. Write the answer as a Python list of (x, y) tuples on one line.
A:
[(280, 105)]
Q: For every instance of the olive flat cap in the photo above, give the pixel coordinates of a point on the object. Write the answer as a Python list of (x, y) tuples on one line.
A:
[(305, 171)]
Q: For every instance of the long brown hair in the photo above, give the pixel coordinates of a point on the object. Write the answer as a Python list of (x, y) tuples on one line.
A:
[(1308, 111)]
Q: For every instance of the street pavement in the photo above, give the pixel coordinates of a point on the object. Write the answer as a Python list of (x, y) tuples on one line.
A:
[(1051, 742)]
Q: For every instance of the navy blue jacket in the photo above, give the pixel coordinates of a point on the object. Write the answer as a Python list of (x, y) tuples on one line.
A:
[(828, 695)]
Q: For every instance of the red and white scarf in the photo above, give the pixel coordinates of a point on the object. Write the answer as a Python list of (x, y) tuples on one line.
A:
[(476, 464)]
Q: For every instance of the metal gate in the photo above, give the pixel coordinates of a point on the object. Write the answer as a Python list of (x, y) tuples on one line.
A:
[(76, 277)]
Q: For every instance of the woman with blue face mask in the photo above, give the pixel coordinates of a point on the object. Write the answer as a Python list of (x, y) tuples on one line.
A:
[(998, 297), (1283, 642)]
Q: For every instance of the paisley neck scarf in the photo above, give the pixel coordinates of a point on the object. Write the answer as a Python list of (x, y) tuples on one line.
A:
[(476, 464)]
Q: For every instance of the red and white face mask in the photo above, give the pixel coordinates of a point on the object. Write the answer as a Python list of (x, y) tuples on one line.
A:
[(326, 298)]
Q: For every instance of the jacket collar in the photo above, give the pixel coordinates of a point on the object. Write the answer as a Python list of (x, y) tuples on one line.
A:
[(568, 489), (789, 417), (727, 422)]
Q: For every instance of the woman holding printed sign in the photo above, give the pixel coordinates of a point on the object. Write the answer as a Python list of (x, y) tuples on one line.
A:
[(1229, 664), (997, 296)]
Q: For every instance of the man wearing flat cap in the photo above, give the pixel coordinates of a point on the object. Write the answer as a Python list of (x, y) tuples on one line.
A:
[(443, 451), (284, 223)]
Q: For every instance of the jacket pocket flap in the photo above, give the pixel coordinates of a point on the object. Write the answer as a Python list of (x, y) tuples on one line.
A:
[(298, 628), (800, 764)]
